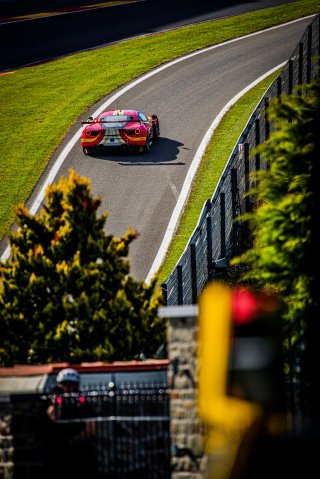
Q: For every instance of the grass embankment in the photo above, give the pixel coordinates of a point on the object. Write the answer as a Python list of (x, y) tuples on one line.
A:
[(39, 104)]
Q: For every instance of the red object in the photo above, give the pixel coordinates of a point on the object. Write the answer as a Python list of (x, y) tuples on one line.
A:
[(112, 129), (245, 306), (248, 305)]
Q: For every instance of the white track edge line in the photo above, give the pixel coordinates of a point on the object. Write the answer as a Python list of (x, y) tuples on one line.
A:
[(114, 97), (191, 173)]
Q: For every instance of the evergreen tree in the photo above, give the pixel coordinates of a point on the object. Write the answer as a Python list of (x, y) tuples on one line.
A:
[(66, 293), (285, 225), (285, 256)]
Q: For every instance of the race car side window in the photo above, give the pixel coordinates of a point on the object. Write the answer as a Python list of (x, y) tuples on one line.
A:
[(142, 117)]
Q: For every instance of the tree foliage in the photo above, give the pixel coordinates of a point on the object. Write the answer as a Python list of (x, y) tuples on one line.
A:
[(66, 293), (285, 224)]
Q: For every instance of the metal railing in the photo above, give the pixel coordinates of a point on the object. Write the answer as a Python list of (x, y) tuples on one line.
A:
[(99, 434), (217, 237), (132, 428)]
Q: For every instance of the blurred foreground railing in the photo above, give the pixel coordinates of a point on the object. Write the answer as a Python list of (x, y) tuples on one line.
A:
[(114, 433), (132, 436)]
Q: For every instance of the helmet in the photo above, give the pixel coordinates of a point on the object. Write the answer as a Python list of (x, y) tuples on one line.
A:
[(68, 374)]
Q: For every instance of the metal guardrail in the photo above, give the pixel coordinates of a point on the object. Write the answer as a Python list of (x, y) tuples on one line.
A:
[(217, 237)]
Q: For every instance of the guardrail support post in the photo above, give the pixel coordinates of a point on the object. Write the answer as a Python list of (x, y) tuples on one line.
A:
[(300, 71), (235, 225), (247, 177), (193, 260), (279, 88), (209, 247), (223, 225), (257, 140), (309, 53), (319, 39), (180, 285), (164, 288), (290, 77), (266, 118)]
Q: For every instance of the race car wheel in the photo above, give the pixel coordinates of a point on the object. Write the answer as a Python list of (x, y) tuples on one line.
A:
[(146, 147), (156, 131), (87, 150)]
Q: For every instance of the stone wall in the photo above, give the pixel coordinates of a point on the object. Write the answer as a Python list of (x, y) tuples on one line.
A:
[(20, 437), (6, 439), (187, 431)]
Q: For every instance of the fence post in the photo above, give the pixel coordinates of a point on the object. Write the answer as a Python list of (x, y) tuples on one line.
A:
[(290, 76), (300, 71), (164, 288), (209, 247), (193, 260), (257, 139), (319, 39), (247, 176), (180, 285), (235, 226), (223, 224), (309, 53), (266, 118), (279, 88)]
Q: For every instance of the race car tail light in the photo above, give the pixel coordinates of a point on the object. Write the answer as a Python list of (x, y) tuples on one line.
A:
[(93, 132), (136, 131)]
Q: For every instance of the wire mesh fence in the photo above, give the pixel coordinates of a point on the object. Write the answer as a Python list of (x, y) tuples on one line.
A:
[(115, 432), (217, 237), (130, 426)]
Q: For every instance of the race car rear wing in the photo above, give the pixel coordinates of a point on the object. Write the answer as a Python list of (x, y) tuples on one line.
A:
[(91, 120), (100, 122)]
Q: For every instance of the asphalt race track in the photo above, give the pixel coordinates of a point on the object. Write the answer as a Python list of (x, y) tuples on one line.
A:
[(141, 190), (42, 38)]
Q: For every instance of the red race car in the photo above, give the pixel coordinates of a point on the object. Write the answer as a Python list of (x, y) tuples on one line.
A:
[(119, 128)]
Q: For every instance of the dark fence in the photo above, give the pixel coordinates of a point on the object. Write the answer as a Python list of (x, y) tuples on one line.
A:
[(297, 384), (217, 238), (112, 433)]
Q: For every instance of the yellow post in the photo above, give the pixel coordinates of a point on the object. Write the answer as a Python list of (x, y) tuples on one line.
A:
[(227, 417)]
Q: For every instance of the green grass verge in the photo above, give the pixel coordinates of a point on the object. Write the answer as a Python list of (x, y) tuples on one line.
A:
[(39, 104), (214, 160)]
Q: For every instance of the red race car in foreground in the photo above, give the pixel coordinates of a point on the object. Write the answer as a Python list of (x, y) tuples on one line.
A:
[(119, 128)]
